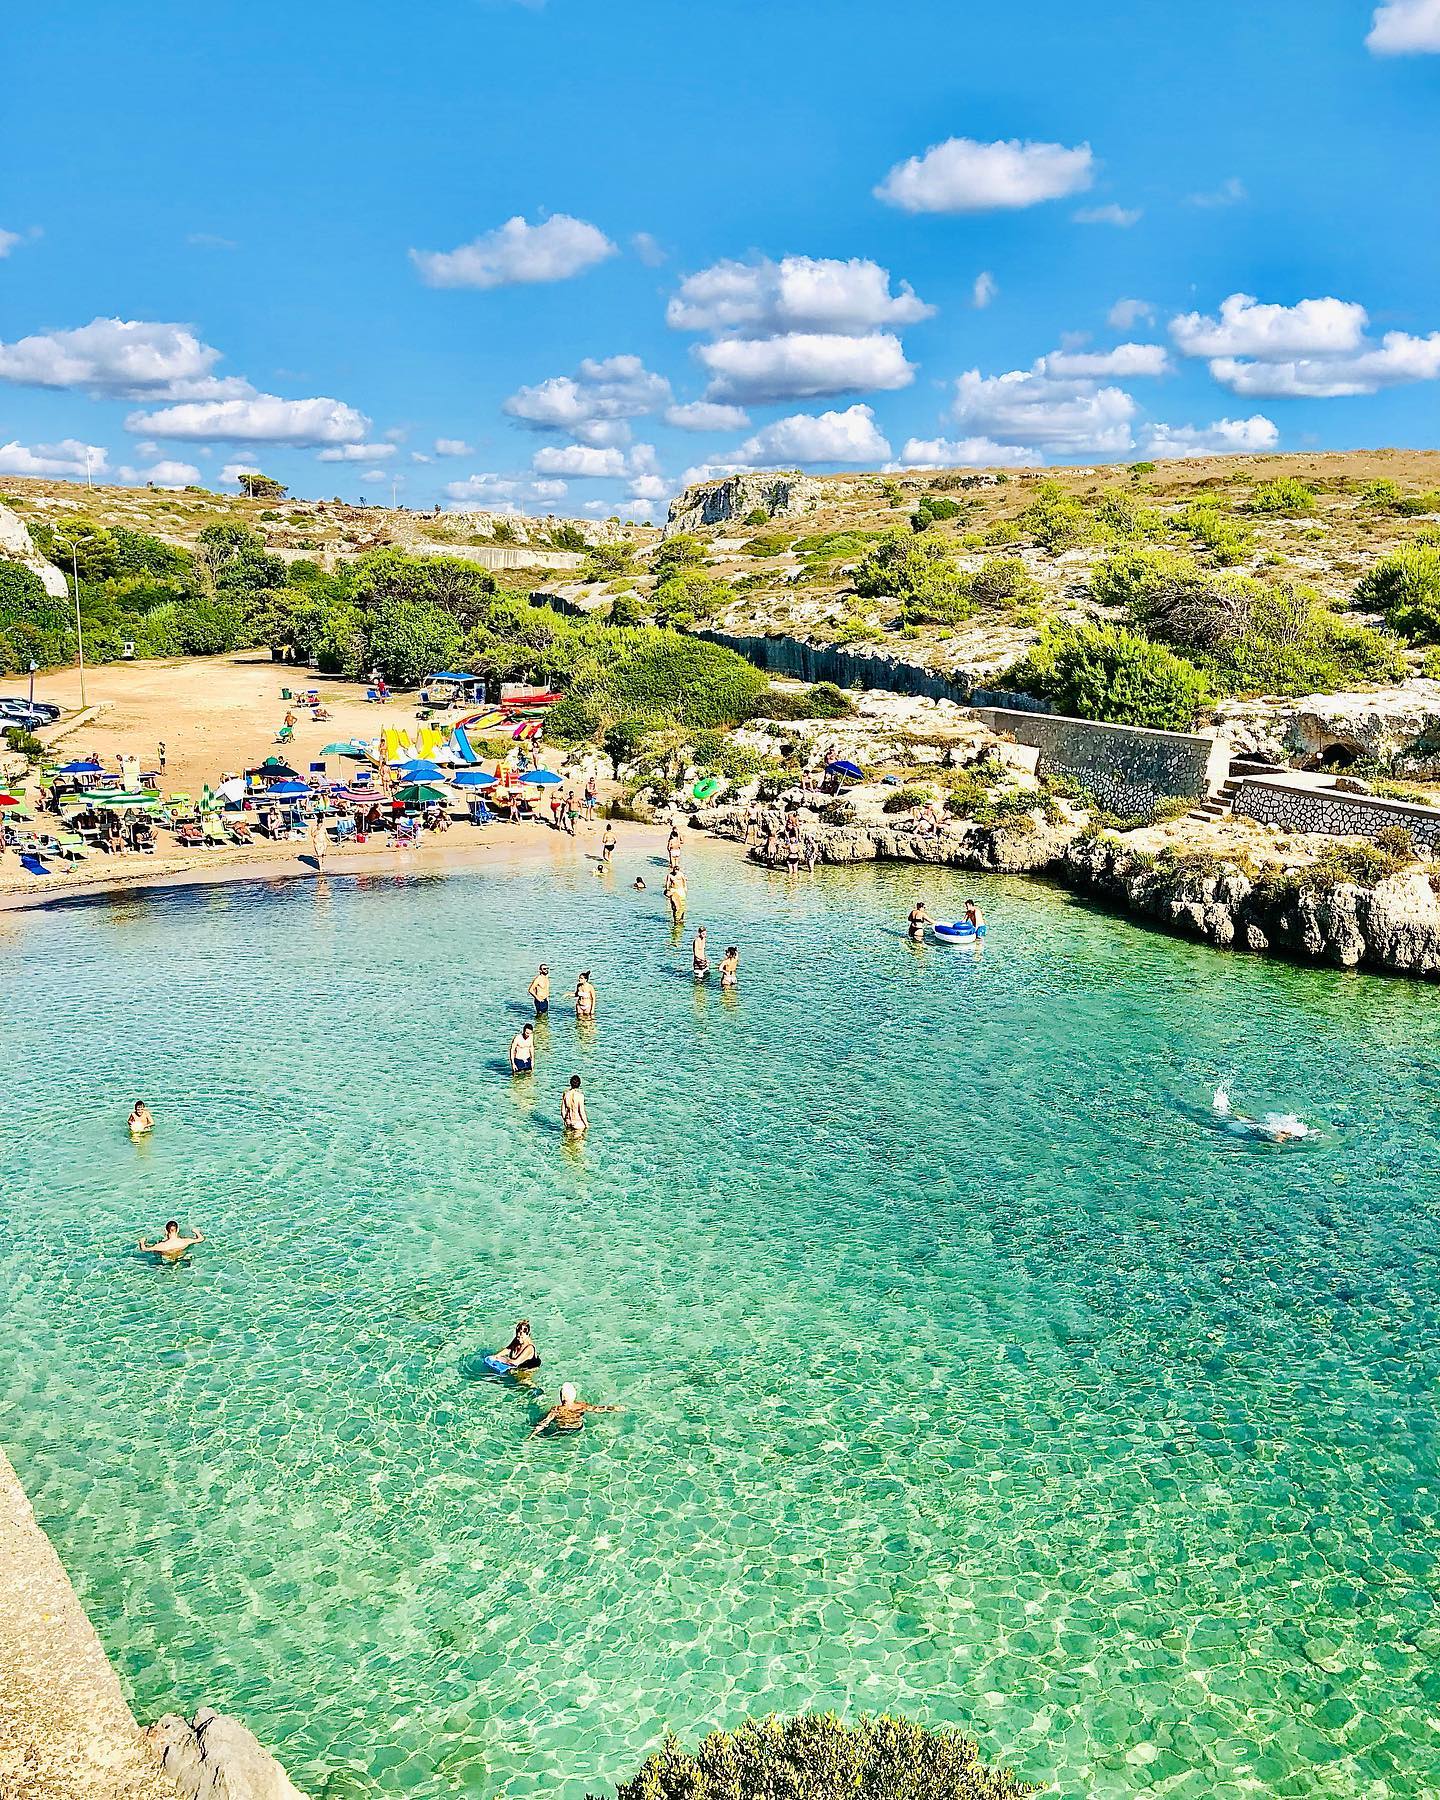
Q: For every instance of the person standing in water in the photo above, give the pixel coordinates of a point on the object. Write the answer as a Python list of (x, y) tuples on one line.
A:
[(573, 1115), (675, 894), (522, 1051), (539, 991), (141, 1119), (699, 960), (173, 1245), (607, 845), (974, 916), (730, 968), (673, 846), (319, 843), (584, 996), (918, 920), (569, 1415)]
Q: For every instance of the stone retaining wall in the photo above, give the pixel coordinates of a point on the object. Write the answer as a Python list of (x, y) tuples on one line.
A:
[(803, 661), (1297, 806), (1126, 767)]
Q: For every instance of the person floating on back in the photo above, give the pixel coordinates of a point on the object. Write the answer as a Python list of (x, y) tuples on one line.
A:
[(173, 1245), (569, 1415)]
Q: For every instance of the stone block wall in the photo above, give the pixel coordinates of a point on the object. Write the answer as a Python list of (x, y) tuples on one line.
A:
[(1296, 806), (1127, 768)]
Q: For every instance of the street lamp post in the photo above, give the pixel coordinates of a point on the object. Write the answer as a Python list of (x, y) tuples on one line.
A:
[(33, 667)]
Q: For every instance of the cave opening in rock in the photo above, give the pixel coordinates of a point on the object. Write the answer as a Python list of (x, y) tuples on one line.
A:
[(1334, 758)]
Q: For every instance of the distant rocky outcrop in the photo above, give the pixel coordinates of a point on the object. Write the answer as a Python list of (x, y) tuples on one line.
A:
[(213, 1757), (1395, 724), (16, 546), (737, 496)]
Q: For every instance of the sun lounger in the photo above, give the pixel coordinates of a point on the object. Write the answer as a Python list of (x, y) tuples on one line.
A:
[(241, 831), (32, 864), (191, 836)]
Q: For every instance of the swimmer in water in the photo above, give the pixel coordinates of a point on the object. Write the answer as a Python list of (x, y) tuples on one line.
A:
[(730, 968), (522, 1051), (675, 891), (974, 916), (174, 1244), (699, 960), (539, 991), (520, 1353), (607, 844), (585, 996), (141, 1119), (573, 1115), (569, 1415), (918, 920), (639, 884), (1274, 1128)]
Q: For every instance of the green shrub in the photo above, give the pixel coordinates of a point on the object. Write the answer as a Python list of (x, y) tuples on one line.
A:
[(605, 562), (823, 701), (688, 594), (1142, 468), (757, 515), (772, 543), (1122, 519), (1105, 672), (931, 508), (1380, 494), (1004, 581), (1286, 498), (22, 742), (819, 1757), (1223, 536), (627, 609), (905, 799), (920, 574), (1405, 587), (1058, 521), (1414, 506), (677, 554)]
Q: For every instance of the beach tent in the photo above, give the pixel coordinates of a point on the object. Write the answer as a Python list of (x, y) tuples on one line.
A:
[(450, 689)]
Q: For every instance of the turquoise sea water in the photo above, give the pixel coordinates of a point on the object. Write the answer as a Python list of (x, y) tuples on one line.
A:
[(967, 1369)]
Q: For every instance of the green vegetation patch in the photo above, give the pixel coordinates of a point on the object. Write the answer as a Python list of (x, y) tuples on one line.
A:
[(1405, 588), (1105, 672)]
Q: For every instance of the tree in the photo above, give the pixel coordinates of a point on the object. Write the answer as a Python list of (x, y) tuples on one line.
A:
[(256, 486), (920, 573), (677, 554), (820, 1757), (1405, 587)]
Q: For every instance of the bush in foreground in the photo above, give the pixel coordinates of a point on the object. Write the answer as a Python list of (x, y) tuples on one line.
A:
[(819, 1757), (1405, 587)]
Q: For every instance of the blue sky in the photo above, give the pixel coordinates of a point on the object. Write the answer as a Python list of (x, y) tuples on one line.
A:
[(324, 239)]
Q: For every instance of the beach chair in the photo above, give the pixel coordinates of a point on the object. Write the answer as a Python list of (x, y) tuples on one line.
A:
[(190, 836), (32, 864), (242, 832), (375, 696), (213, 830), (407, 833), (480, 813)]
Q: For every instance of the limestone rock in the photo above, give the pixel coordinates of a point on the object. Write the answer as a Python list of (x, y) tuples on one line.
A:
[(1398, 722), (213, 1757), (16, 546), (714, 502)]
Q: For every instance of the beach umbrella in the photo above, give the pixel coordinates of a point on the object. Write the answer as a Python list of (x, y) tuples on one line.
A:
[(474, 778), (853, 770), (543, 778), (420, 793), (84, 767), (9, 800), (287, 790), (420, 769), (126, 802), (275, 768)]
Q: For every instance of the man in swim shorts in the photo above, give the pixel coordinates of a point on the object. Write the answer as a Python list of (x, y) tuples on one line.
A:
[(569, 1415), (173, 1245), (973, 915), (539, 991), (522, 1051), (607, 844), (699, 960), (573, 1115)]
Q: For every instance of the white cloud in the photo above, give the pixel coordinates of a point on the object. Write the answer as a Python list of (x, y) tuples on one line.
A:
[(803, 366), (833, 437), (356, 453), (373, 474), (233, 471), (419, 456), (8, 241), (1229, 193), (68, 457), (647, 248), (963, 176), (588, 461), (796, 294), (262, 419), (1123, 216), (452, 447), (964, 453), (1223, 438), (1405, 28), (1030, 409), (1324, 327), (984, 291), (516, 252), (649, 488), (504, 493), (1124, 362), (588, 404), (131, 359), (1125, 315), (161, 474), (706, 415), (1398, 359)]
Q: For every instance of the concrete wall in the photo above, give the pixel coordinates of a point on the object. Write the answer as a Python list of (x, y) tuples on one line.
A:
[(858, 669), (1299, 806), (1127, 768)]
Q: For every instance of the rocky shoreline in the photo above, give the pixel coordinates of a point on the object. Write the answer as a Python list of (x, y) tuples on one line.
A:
[(1392, 927)]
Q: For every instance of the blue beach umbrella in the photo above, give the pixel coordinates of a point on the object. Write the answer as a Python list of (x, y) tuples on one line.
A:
[(853, 770), (83, 767), (420, 769), (474, 778), (543, 778), (287, 790)]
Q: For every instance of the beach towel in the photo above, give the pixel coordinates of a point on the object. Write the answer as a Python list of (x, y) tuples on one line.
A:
[(32, 864)]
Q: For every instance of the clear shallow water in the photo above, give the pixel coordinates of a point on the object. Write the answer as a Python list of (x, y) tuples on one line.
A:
[(967, 1369)]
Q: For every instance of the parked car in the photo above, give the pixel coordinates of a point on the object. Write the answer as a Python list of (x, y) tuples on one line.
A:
[(21, 712)]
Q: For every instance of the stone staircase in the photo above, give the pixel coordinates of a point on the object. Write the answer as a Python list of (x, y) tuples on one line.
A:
[(1221, 803)]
